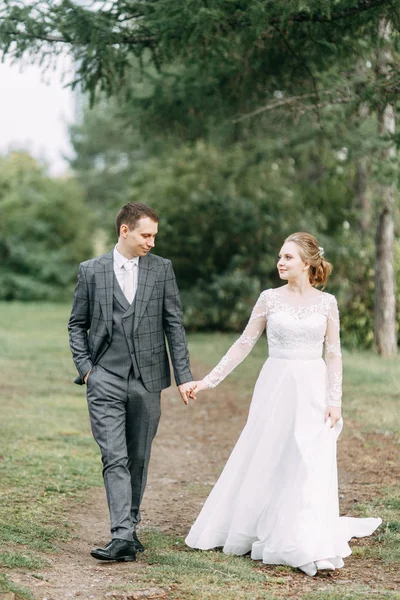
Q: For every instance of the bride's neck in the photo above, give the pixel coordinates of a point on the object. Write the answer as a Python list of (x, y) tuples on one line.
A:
[(300, 287)]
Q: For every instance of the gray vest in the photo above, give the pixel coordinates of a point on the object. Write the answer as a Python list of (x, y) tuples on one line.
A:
[(119, 358)]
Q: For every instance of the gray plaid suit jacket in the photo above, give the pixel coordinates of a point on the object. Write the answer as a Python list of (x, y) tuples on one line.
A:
[(158, 311)]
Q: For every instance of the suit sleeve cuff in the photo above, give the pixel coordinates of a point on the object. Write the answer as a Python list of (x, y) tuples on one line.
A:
[(184, 378), (85, 368)]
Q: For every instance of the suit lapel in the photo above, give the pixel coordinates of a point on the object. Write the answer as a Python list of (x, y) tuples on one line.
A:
[(146, 281), (104, 274)]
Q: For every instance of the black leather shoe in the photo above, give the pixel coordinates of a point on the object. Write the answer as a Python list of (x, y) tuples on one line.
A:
[(119, 550), (138, 544)]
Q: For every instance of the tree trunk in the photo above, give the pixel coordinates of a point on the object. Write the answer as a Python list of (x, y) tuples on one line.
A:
[(362, 195), (362, 190), (385, 302), (385, 299)]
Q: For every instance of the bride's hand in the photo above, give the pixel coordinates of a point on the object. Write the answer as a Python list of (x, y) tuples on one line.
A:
[(200, 386), (334, 413)]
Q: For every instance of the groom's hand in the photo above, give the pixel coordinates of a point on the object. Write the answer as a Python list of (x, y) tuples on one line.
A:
[(185, 390)]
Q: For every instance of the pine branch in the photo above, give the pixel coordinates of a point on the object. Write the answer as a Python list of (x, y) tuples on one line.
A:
[(48, 23), (293, 100), (362, 6), (304, 64), (60, 39)]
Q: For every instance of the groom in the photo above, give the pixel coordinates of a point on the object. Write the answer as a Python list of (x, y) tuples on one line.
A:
[(125, 303)]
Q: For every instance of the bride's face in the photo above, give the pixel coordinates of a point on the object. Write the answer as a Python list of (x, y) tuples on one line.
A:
[(290, 264)]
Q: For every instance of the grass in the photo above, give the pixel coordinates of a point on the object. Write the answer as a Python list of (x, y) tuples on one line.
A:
[(48, 459), (356, 593), (7, 586), (47, 455), (217, 576), (23, 561)]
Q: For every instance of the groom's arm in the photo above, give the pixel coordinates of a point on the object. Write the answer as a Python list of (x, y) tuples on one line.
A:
[(174, 329), (79, 325)]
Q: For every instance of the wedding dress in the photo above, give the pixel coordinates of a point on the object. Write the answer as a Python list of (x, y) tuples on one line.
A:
[(277, 496)]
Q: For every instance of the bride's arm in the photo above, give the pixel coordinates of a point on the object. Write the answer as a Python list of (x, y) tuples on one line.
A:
[(242, 347), (333, 357)]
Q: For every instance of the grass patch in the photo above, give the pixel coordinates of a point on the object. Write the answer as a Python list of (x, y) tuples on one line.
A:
[(356, 593), (7, 586), (388, 541), (47, 454), (22, 561), (387, 546), (48, 458), (195, 574), (31, 533)]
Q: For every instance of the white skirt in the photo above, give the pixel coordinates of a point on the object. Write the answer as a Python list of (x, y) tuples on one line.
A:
[(277, 496)]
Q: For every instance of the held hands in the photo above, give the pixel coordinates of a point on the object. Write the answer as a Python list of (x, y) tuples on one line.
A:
[(199, 386), (334, 413), (186, 390), (190, 389)]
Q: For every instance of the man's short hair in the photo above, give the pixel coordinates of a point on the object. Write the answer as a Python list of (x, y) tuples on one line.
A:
[(131, 213)]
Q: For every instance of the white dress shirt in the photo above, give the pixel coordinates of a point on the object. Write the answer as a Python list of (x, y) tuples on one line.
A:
[(119, 269)]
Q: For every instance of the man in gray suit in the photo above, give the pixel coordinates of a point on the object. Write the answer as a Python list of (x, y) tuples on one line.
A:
[(125, 303)]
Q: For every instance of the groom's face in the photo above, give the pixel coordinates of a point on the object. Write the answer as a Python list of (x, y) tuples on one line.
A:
[(140, 240)]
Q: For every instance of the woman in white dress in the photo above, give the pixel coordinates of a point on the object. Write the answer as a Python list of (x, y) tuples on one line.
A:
[(277, 496)]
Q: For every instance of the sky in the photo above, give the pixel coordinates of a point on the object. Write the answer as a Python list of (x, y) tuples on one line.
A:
[(35, 110)]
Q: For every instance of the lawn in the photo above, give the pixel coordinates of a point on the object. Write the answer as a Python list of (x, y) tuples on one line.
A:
[(48, 458)]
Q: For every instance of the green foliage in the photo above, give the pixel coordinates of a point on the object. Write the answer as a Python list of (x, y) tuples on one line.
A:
[(228, 117), (230, 47), (107, 146), (223, 219), (220, 303), (225, 212), (44, 231)]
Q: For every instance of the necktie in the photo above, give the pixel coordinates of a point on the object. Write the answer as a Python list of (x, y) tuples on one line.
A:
[(130, 280)]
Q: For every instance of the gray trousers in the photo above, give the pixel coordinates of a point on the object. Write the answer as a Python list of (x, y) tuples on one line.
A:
[(124, 418)]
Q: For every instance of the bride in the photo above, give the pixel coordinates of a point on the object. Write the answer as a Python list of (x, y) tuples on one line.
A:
[(277, 496)]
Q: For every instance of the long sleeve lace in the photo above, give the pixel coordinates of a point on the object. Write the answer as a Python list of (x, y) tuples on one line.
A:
[(333, 356), (243, 345)]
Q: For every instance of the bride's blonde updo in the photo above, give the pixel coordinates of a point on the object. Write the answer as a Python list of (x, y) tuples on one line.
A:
[(313, 255)]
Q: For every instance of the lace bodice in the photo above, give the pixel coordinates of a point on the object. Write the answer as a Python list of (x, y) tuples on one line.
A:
[(298, 332)]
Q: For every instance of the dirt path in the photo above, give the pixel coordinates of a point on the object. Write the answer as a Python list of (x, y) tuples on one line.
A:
[(191, 446)]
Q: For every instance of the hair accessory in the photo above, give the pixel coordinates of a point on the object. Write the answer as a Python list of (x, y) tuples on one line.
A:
[(321, 251)]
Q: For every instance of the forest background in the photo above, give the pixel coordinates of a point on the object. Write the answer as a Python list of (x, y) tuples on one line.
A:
[(239, 121)]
